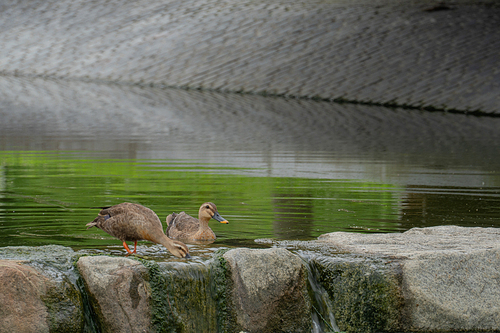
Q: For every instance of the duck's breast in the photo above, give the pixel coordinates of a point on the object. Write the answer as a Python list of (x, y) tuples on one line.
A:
[(204, 235)]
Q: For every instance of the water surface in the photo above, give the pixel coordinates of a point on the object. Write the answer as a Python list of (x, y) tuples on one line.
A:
[(276, 168)]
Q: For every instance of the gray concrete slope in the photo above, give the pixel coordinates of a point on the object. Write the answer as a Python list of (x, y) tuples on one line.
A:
[(415, 53)]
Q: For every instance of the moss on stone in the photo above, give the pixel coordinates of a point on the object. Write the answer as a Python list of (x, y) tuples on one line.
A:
[(163, 317), (182, 298), (65, 307), (90, 317), (220, 280), (60, 295), (191, 297), (365, 293), (293, 312)]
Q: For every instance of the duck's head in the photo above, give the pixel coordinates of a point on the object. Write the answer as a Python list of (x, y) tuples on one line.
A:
[(178, 249), (209, 211)]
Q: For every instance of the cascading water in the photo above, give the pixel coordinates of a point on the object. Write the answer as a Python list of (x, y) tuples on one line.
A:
[(322, 310)]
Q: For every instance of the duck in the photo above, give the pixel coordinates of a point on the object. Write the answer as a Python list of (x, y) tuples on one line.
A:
[(185, 227), (133, 222)]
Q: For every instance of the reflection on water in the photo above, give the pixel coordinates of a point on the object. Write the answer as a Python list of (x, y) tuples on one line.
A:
[(467, 207), (277, 168), (292, 214)]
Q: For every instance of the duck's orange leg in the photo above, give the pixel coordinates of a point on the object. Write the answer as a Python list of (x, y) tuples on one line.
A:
[(126, 248), (135, 247)]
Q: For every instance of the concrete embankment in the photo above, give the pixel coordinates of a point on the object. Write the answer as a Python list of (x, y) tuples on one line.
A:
[(412, 53), (427, 280)]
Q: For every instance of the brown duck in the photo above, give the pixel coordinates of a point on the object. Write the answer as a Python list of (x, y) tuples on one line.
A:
[(185, 227), (133, 222)]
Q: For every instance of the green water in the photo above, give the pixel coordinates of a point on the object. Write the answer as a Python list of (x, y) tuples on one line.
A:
[(276, 168), (48, 197)]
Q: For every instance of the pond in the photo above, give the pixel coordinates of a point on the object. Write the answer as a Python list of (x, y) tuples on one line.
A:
[(277, 168)]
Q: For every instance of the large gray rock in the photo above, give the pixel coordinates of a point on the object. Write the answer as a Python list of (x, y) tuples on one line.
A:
[(269, 290), (32, 301), (449, 275), (118, 291), (36, 290), (21, 289)]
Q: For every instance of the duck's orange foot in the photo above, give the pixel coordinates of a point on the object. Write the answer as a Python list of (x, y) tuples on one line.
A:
[(126, 248)]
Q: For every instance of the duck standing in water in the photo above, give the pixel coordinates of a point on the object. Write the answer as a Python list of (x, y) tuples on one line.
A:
[(185, 227), (133, 222)]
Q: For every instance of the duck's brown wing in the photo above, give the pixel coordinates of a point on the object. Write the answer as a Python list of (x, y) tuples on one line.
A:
[(127, 207), (128, 222), (182, 226)]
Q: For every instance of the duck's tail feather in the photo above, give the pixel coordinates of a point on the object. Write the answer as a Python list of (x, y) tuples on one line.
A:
[(171, 219), (91, 224), (170, 223), (100, 218)]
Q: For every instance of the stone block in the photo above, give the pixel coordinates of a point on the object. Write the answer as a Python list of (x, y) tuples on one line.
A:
[(445, 278), (269, 291), (118, 291), (34, 302)]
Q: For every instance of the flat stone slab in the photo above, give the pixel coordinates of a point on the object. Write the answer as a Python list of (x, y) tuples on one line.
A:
[(449, 275), (417, 241)]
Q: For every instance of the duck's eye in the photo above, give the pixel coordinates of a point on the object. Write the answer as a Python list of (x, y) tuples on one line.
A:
[(207, 207)]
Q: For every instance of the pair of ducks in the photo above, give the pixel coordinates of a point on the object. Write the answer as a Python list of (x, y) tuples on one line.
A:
[(134, 222)]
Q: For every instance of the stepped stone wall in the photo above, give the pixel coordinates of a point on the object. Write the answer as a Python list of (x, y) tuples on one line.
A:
[(435, 279), (408, 53)]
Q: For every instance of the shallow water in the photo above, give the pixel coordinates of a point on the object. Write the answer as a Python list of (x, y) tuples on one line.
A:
[(276, 168)]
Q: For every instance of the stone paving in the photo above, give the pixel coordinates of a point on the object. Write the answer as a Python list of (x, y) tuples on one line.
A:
[(413, 53)]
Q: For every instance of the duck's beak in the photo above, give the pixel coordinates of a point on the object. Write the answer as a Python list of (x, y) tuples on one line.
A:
[(219, 218)]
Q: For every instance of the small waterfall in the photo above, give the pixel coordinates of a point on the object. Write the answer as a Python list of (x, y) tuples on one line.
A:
[(322, 314), (90, 318), (322, 308)]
